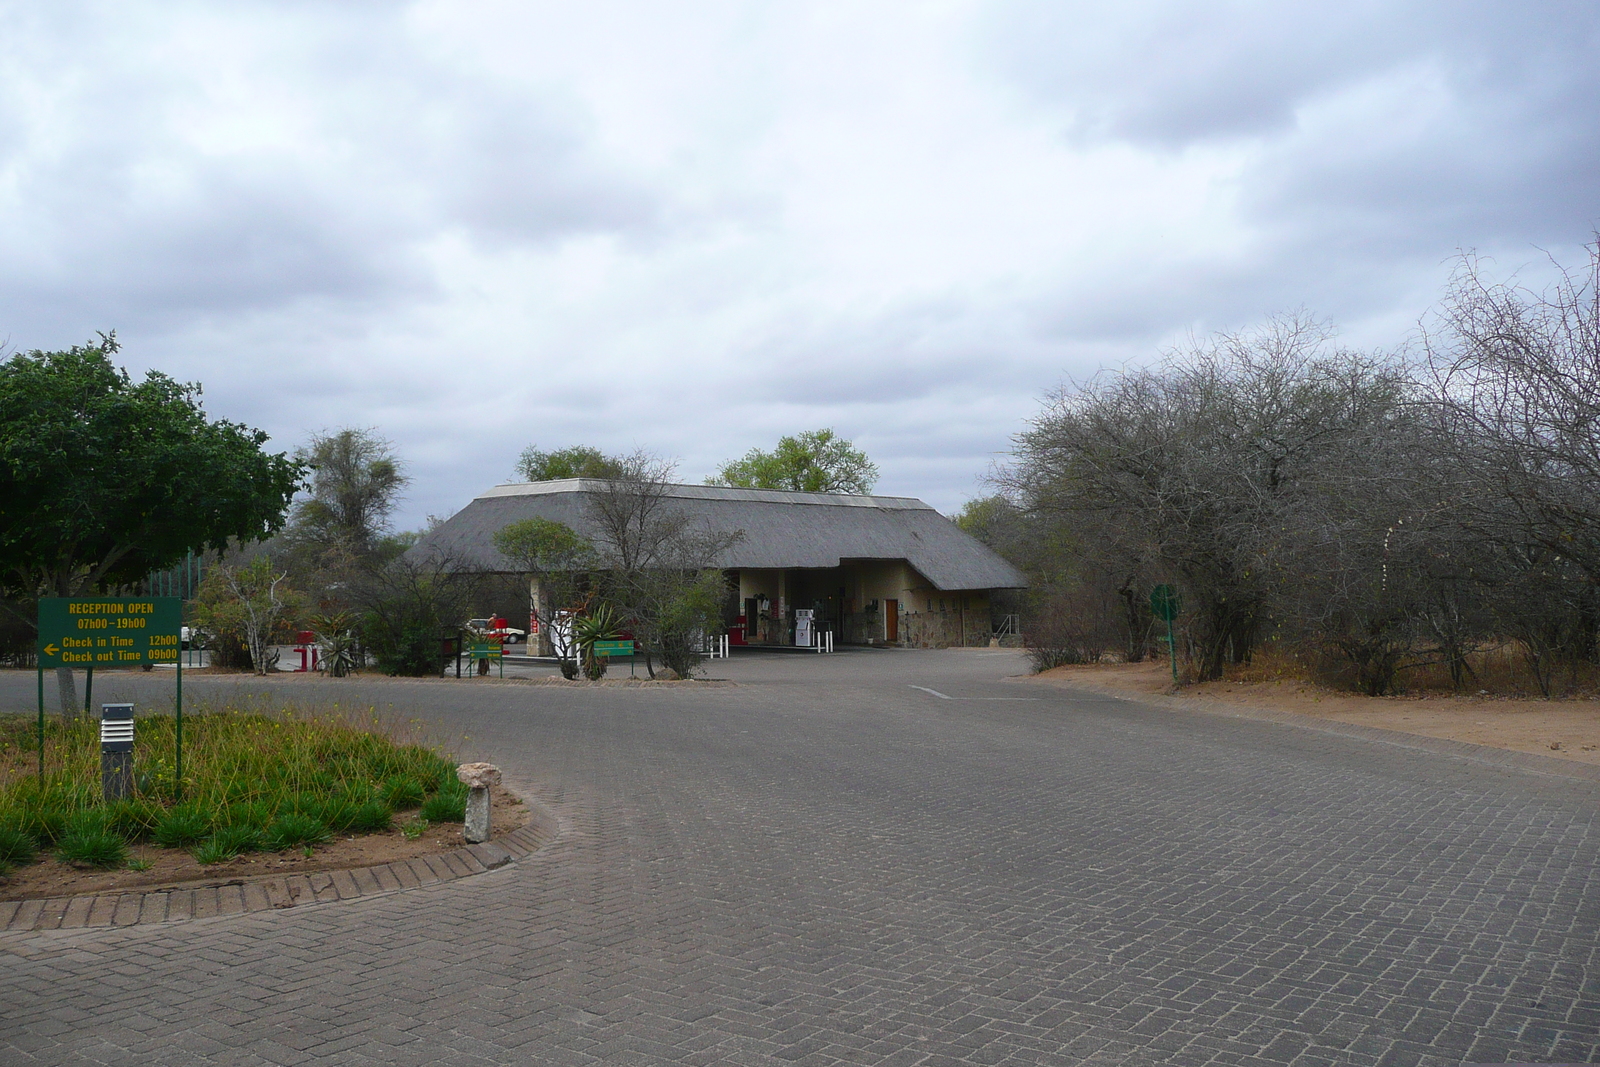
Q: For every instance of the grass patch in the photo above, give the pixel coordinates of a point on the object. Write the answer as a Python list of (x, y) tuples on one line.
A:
[(16, 846), (92, 848), (255, 777), (402, 793), (294, 829), (445, 806), (182, 826)]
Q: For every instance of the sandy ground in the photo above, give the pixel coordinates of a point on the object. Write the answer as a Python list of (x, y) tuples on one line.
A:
[(1567, 729), (49, 877)]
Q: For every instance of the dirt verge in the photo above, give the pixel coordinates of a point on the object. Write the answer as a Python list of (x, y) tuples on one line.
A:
[(1565, 729)]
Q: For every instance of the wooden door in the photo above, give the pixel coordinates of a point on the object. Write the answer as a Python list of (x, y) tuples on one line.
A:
[(891, 620)]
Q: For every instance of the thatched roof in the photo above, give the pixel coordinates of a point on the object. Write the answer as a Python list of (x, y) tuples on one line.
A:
[(781, 529)]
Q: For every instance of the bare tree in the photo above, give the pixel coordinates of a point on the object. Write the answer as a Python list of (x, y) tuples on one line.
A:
[(1517, 373), (659, 566), (1196, 471), (252, 601)]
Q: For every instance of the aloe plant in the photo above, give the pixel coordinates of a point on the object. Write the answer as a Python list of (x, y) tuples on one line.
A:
[(601, 624)]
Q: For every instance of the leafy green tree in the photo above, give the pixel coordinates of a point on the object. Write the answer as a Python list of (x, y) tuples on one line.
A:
[(104, 479), (579, 461), (557, 561), (356, 480), (411, 604), (815, 461)]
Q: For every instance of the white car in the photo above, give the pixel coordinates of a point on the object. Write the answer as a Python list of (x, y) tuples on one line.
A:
[(509, 635)]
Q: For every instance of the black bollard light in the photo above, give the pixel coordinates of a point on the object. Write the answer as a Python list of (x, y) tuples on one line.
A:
[(116, 750)]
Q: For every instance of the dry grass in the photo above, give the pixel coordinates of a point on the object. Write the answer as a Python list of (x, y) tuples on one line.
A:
[(1499, 671)]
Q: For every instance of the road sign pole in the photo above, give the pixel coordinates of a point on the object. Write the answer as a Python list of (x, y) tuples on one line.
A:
[(41, 721), (1172, 650), (177, 773), (1164, 604), (88, 689)]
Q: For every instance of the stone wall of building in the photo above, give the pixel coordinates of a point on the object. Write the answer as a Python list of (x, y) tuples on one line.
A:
[(944, 629)]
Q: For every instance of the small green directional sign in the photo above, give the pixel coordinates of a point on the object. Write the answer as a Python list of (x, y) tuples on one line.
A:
[(1164, 603), (109, 632), (613, 648)]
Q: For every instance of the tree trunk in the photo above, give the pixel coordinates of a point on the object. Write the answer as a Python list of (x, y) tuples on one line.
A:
[(68, 688)]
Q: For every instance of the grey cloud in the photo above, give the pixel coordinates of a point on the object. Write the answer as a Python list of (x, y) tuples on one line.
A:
[(512, 176), (1343, 215), (111, 215), (1175, 74)]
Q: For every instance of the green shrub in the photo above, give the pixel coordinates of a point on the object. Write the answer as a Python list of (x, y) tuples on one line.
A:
[(92, 848), (227, 843), (294, 829), (339, 814), (372, 817), (90, 822), (252, 815), (16, 846), (357, 791), (182, 826), (409, 650), (134, 818), (446, 806), (212, 851), (45, 826), (403, 793)]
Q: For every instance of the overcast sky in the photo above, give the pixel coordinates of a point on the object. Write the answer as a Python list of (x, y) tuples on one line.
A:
[(693, 227)]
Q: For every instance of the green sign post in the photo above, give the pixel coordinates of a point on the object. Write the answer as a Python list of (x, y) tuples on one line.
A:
[(92, 632), (1164, 604), (607, 649), (488, 651)]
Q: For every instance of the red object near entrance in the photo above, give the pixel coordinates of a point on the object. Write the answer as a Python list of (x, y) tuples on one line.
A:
[(736, 631), (306, 644)]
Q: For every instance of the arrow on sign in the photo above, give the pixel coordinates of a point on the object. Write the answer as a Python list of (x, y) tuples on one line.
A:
[(51, 650)]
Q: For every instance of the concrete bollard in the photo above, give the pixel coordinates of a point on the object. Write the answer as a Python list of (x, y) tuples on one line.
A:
[(479, 778)]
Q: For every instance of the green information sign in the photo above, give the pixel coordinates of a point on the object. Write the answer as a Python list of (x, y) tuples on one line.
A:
[(100, 632), (109, 632), (613, 648), (1164, 603), (485, 650)]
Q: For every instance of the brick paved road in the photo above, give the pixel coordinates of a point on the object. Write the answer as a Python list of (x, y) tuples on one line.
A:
[(825, 865)]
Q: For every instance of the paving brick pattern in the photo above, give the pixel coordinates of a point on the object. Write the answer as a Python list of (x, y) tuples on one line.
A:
[(824, 865)]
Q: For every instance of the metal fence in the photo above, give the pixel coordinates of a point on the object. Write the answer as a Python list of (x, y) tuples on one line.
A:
[(182, 580)]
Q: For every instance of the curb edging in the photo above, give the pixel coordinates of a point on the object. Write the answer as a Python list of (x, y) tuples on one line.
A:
[(240, 896)]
